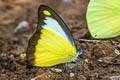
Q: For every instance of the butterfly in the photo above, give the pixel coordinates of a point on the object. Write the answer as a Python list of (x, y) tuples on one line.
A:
[(103, 18), (52, 43)]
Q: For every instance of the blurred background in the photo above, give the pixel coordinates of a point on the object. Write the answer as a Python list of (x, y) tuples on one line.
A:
[(18, 20), (12, 13)]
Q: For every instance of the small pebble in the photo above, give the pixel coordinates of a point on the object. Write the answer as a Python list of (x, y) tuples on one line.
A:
[(72, 74), (117, 52), (67, 0), (23, 57), (115, 77), (56, 70), (100, 60), (22, 27), (12, 57), (86, 60), (71, 65)]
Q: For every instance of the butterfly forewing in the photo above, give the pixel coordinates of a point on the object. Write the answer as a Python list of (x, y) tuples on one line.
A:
[(50, 20)]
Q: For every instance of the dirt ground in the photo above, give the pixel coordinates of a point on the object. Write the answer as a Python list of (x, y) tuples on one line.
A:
[(100, 59)]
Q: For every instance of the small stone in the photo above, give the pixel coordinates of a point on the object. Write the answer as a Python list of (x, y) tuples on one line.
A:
[(22, 27), (71, 65), (23, 57), (115, 77), (67, 0), (86, 60), (82, 77), (100, 60), (56, 70), (117, 52), (72, 74), (12, 57)]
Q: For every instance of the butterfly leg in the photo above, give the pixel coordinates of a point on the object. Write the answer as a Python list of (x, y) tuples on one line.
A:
[(65, 67), (76, 69)]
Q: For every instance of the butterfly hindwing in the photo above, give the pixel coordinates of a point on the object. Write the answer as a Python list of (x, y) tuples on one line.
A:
[(52, 49)]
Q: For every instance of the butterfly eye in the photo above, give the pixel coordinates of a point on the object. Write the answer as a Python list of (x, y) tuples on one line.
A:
[(46, 12)]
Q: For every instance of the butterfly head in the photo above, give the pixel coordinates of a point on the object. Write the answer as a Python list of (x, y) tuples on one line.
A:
[(78, 52)]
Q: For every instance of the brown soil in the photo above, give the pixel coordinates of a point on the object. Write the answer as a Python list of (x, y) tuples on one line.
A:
[(100, 59)]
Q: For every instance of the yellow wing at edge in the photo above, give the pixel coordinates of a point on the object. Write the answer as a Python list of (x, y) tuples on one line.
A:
[(52, 49)]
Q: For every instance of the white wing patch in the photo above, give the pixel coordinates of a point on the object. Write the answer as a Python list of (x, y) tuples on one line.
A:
[(53, 25)]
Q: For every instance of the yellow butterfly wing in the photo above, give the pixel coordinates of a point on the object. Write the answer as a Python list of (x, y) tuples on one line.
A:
[(52, 43), (103, 17), (52, 49)]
